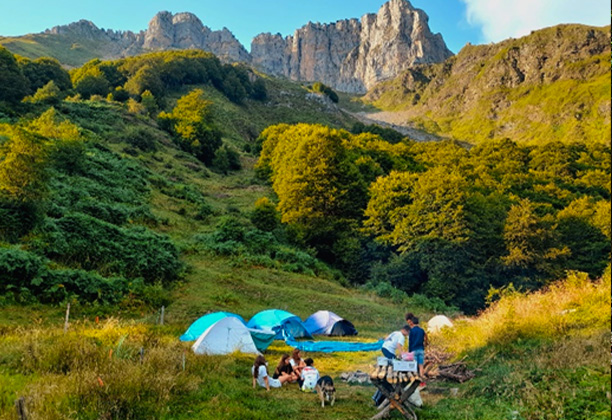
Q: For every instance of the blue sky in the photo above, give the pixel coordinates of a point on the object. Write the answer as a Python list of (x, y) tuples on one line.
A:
[(459, 21)]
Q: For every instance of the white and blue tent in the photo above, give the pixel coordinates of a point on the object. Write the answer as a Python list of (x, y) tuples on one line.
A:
[(226, 336), (196, 329)]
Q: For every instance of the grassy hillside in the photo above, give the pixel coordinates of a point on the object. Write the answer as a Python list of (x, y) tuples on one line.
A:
[(551, 85), (288, 102), (95, 369), (71, 51)]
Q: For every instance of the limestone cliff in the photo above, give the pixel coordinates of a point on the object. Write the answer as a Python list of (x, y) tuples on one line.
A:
[(353, 55), (350, 55)]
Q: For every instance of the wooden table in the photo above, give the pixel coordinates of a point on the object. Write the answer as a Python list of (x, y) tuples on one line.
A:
[(397, 387)]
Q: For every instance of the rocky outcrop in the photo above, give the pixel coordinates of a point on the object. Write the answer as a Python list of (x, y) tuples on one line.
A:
[(353, 55), (186, 31), (349, 55)]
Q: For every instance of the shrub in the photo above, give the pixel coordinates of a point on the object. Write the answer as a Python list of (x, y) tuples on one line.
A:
[(326, 90), (226, 159), (204, 211), (265, 216), (18, 268), (49, 94), (140, 137), (131, 252)]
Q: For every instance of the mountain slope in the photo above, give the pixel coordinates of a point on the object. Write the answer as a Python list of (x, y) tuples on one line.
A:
[(551, 85)]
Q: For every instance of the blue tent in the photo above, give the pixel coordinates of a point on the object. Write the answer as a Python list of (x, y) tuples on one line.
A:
[(283, 323), (262, 339), (196, 329), (328, 323)]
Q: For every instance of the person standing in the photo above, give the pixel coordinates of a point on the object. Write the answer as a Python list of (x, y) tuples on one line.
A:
[(417, 341)]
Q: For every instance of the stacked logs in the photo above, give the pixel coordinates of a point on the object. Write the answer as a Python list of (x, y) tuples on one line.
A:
[(436, 366), (386, 372)]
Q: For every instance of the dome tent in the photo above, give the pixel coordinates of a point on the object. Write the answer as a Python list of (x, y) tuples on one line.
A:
[(283, 323), (328, 323), (203, 323), (224, 337), (437, 323)]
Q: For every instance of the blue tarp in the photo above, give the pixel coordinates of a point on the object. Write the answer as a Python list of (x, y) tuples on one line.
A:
[(283, 323), (196, 329), (333, 346)]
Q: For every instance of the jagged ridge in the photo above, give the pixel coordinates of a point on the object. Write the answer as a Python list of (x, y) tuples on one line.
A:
[(349, 55)]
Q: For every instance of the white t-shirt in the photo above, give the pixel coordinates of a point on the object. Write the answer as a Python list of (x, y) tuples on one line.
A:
[(310, 375), (263, 372), (393, 340)]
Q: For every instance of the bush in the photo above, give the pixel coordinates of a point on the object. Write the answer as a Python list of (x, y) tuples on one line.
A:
[(204, 211), (140, 137), (326, 90), (18, 218), (260, 93), (265, 217), (226, 159), (18, 268), (131, 252), (256, 247)]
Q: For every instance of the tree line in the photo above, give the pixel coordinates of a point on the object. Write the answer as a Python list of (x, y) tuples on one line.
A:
[(438, 218), (156, 73)]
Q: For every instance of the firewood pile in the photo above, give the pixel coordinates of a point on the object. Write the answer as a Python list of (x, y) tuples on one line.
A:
[(436, 367)]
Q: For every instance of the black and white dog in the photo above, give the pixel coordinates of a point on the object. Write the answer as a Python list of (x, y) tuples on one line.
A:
[(326, 390)]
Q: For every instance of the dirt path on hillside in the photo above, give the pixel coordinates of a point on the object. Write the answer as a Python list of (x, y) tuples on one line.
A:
[(397, 121)]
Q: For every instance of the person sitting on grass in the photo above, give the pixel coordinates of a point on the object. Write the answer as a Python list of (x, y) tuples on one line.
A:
[(309, 375), (297, 364), (284, 368), (394, 342), (261, 377), (417, 340)]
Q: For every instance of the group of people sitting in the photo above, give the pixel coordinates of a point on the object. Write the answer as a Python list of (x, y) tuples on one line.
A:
[(290, 369)]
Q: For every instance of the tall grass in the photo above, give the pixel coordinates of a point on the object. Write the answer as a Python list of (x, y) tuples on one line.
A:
[(575, 305), (538, 356)]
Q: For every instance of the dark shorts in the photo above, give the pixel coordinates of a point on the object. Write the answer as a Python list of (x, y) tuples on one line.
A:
[(388, 354)]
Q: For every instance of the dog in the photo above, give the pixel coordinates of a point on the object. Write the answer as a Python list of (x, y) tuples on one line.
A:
[(326, 390)]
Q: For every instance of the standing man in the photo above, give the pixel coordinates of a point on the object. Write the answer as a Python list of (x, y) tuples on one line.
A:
[(417, 340)]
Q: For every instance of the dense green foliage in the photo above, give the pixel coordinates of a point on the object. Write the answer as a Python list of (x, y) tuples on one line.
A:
[(325, 90), (457, 221), (387, 134), (191, 124), (43, 70), (162, 72), (13, 84), (72, 206)]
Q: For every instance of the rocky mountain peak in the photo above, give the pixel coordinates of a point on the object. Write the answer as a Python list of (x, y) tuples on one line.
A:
[(83, 28), (186, 31), (350, 55), (353, 55)]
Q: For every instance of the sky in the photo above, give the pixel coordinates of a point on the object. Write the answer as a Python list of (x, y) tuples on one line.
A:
[(459, 21)]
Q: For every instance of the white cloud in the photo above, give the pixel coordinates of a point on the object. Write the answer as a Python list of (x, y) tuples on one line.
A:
[(501, 19)]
